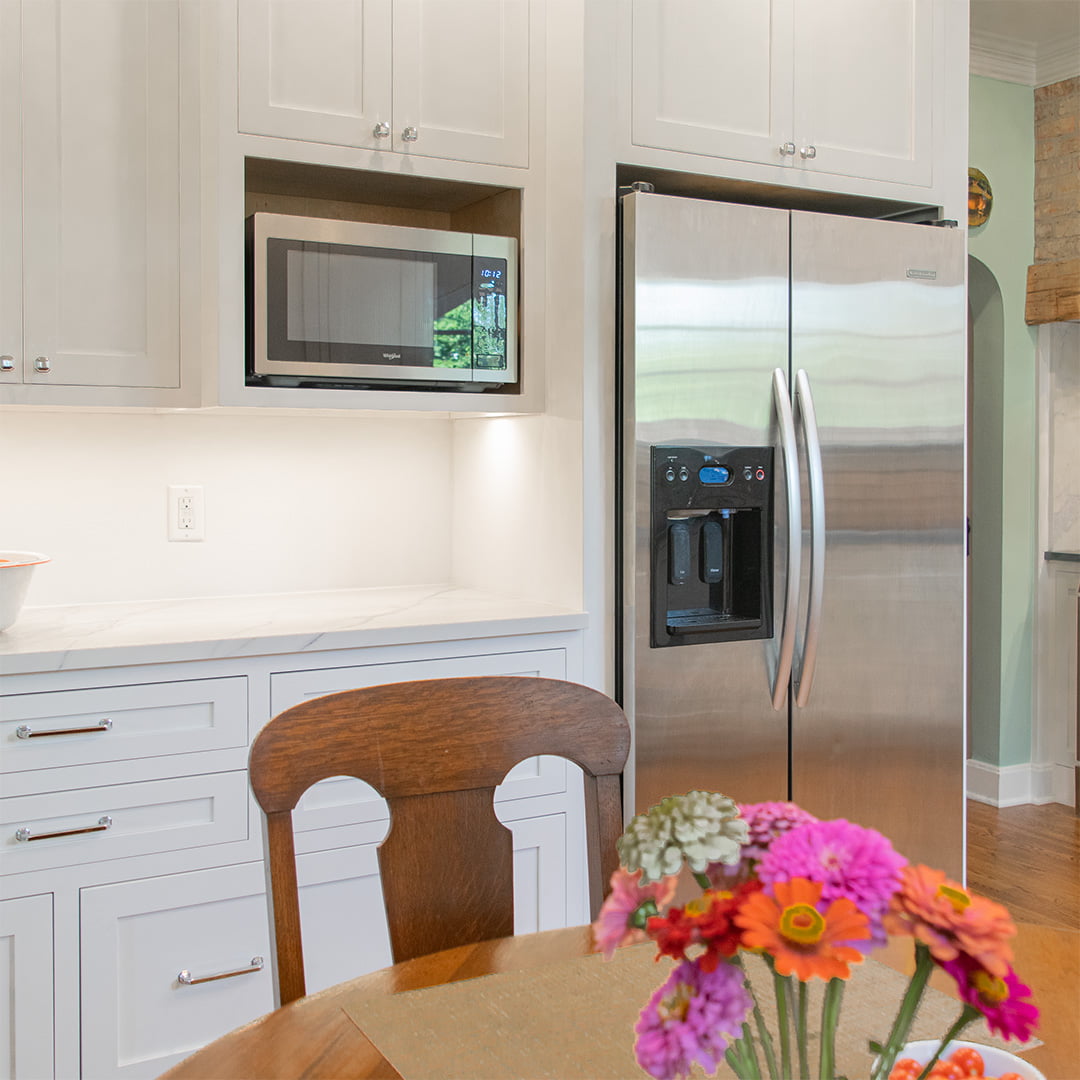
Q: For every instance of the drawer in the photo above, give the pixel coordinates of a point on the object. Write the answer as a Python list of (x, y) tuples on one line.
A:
[(122, 820), (119, 723), (345, 801), (137, 936)]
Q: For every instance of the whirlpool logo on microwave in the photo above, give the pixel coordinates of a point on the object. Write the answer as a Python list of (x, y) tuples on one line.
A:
[(391, 356)]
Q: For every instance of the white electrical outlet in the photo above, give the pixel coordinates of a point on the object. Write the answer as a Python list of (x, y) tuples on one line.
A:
[(186, 519)]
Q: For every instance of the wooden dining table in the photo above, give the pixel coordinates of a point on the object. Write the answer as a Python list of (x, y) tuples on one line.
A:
[(316, 1036)]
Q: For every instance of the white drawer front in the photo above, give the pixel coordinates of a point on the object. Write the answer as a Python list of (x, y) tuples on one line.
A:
[(138, 819), (345, 801), (118, 723), (139, 1019)]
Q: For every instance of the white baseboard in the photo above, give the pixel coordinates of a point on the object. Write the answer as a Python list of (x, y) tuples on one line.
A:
[(1017, 785)]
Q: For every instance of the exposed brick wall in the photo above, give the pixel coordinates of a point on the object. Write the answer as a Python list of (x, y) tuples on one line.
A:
[(1057, 171)]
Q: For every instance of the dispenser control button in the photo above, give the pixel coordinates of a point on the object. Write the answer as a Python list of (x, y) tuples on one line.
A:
[(714, 474), (669, 475), (684, 473), (760, 473), (748, 472)]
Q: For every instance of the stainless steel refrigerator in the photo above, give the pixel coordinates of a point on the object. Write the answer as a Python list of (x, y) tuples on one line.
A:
[(791, 541)]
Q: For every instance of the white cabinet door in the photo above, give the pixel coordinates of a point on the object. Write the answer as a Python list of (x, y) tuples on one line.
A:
[(864, 88), (446, 80), (842, 87), (10, 193), (101, 198), (713, 78), (347, 802), (137, 937), (26, 988), (317, 70), (461, 79)]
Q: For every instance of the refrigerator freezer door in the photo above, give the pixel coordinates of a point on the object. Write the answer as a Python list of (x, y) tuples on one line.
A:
[(879, 324), (705, 297)]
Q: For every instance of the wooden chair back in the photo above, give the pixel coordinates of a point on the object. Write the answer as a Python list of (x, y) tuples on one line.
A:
[(435, 750)]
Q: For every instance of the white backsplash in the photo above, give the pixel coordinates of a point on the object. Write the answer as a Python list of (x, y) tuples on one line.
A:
[(292, 503)]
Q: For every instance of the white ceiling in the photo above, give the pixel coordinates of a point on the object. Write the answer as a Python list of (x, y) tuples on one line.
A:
[(1026, 41)]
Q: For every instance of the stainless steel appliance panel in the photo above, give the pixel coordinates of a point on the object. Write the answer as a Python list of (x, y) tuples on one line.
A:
[(705, 298), (878, 327)]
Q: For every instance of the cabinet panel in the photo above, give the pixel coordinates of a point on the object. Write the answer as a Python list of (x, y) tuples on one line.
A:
[(346, 801), (318, 71), (10, 193), (146, 720), (26, 988), (461, 79), (158, 815), (102, 213), (864, 84), (712, 78)]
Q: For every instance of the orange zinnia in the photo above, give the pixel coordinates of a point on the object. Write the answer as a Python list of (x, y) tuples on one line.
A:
[(943, 915), (801, 939)]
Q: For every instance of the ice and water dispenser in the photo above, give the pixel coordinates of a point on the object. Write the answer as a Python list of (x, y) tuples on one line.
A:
[(711, 544)]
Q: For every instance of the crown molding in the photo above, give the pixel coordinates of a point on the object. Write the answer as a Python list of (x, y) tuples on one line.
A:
[(1057, 62), (1004, 58)]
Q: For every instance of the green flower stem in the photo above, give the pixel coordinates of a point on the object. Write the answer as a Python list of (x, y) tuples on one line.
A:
[(747, 1040), (924, 965), (967, 1015), (759, 1022), (830, 1015), (782, 988), (801, 1031), (701, 879)]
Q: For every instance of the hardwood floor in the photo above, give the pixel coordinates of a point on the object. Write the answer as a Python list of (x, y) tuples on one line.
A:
[(1027, 858)]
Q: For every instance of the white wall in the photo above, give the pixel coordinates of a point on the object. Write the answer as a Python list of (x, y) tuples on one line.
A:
[(293, 503)]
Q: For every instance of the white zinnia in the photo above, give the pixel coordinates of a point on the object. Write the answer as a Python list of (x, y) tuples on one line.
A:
[(702, 826)]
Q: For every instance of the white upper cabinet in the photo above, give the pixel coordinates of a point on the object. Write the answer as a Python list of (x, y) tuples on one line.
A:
[(317, 70), (91, 167), (445, 80), (863, 79), (712, 78), (842, 87)]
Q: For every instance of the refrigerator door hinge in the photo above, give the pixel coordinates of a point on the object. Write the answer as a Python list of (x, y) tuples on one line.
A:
[(638, 185)]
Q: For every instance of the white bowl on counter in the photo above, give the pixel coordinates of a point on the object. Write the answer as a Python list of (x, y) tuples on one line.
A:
[(995, 1060), (16, 568)]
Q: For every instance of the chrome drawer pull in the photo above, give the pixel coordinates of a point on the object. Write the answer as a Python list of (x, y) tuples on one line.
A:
[(185, 977), (104, 822), (25, 731)]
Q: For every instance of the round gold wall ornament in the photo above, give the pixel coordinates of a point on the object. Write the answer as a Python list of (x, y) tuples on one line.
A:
[(980, 198)]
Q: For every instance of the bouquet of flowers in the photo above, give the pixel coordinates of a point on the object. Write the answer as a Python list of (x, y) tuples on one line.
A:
[(812, 898)]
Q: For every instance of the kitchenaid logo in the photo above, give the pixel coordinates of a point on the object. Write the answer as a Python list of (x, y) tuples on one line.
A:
[(926, 275), (391, 356)]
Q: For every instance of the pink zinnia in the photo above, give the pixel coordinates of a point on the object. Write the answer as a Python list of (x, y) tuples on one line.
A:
[(849, 860), (692, 1017), (1000, 1000), (766, 822), (627, 907)]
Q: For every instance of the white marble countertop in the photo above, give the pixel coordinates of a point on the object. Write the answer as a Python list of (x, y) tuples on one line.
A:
[(47, 639)]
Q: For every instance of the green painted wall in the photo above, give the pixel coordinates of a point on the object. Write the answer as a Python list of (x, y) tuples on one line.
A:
[(1005, 458)]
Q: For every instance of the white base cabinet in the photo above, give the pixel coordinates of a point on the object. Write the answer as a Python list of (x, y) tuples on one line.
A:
[(26, 987), (175, 881)]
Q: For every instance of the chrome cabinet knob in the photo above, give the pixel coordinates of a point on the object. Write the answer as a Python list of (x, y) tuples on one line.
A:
[(809, 151), (410, 134), (42, 363), (381, 130), (787, 149), (7, 363)]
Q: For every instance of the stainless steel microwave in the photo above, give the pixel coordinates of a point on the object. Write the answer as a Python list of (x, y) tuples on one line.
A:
[(347, 304)]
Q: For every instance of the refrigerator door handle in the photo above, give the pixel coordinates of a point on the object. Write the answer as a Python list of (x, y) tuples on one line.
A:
[(789, 449), (804, 400)]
